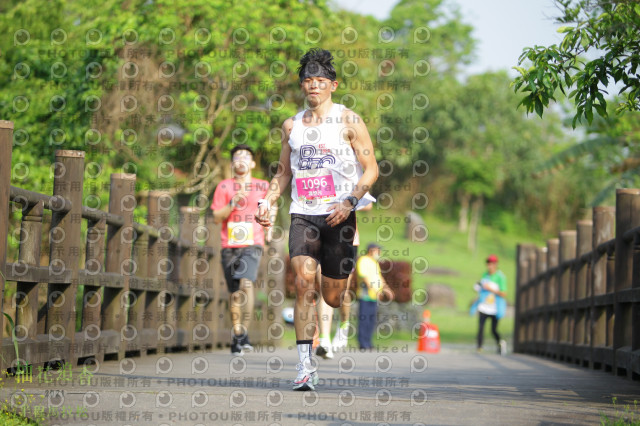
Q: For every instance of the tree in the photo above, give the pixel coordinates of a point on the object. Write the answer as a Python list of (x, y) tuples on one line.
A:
[(162, 89), (606, 29), (610, 152), (436, 43)]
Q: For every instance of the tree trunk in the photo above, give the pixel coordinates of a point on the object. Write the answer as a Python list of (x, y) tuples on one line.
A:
[(476, 214), (463, 220)]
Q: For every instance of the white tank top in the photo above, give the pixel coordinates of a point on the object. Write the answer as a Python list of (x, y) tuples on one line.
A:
[(324, 166)]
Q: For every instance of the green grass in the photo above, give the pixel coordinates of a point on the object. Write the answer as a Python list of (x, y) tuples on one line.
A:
[(624, 415), (446, 247)]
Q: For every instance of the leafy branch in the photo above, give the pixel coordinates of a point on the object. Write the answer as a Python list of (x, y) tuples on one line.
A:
[(611, 27)]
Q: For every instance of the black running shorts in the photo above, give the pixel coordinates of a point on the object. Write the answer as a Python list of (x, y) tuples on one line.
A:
[(331, 247), (241, 262)]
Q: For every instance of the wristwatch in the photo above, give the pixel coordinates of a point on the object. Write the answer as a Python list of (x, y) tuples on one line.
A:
[(352, 199)]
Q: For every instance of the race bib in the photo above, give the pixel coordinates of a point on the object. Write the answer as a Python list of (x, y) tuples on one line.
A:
[(315, 184), (240, 233)]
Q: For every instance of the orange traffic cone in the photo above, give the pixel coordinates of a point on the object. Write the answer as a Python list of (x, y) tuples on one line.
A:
[(429, 337)]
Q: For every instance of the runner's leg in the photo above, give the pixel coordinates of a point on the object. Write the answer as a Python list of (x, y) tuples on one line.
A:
[(236, 301), (304, 320), (481, 319), (334, 291), (325, 312), (494, 328), (246, 287), (304, 268), (349, 298)]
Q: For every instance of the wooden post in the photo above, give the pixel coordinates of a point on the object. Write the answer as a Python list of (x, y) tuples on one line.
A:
[(541, 297), (611, 281), (551, 312), (581, 336), (6, 143), (139, 295), (122, 202), (584, 245), (213, 315), (553, 260), (603, 231), (65, 253), (627, 218), (27, 292), (541, 267), (186, 315), (533, 272), (522, 274), (203, 334), (159, 207), (93, 294), (567, 253)]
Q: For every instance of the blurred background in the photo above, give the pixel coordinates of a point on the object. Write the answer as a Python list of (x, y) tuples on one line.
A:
[(164, 89)]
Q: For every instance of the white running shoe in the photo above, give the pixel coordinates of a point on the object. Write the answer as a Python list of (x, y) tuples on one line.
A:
[(503, 347), (306, 380), (340, 340), (324, 349)]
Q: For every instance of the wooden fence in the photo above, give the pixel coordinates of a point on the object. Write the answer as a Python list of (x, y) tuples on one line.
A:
[(578, 298), (143, 289)]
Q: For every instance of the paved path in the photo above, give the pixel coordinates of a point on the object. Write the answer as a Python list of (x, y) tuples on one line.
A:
[(402, 388)]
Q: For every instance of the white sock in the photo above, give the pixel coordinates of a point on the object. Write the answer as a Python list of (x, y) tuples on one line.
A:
[(304, 351)]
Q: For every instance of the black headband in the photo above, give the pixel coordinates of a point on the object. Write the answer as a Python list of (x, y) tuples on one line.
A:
[(315, 69)]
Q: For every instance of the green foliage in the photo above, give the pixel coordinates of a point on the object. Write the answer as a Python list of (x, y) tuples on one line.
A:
[(607, 29), (609, 156), (91, 76), (12, 329), (436, 43), (628, 415), (8, 418)]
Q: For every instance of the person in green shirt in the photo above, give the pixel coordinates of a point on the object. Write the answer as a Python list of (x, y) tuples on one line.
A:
[(491, 302)]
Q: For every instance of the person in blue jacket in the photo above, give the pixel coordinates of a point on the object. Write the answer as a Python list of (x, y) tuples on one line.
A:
[(491, 302)]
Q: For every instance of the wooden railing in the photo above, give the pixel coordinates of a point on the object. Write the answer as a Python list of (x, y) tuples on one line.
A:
[(143, 288), (578, 298)]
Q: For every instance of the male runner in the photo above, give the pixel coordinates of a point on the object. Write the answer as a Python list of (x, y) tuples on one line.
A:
[(242, 240), (328, 158)]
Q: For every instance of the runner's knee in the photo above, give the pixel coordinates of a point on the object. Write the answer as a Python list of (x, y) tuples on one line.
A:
[(332, 299), (305, 278)]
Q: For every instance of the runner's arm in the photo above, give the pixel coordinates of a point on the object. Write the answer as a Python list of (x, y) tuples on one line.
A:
[(281, 180), (222, 214), (360, 140), (363, 148), (273, 214), (225, 205), (494, 291)]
